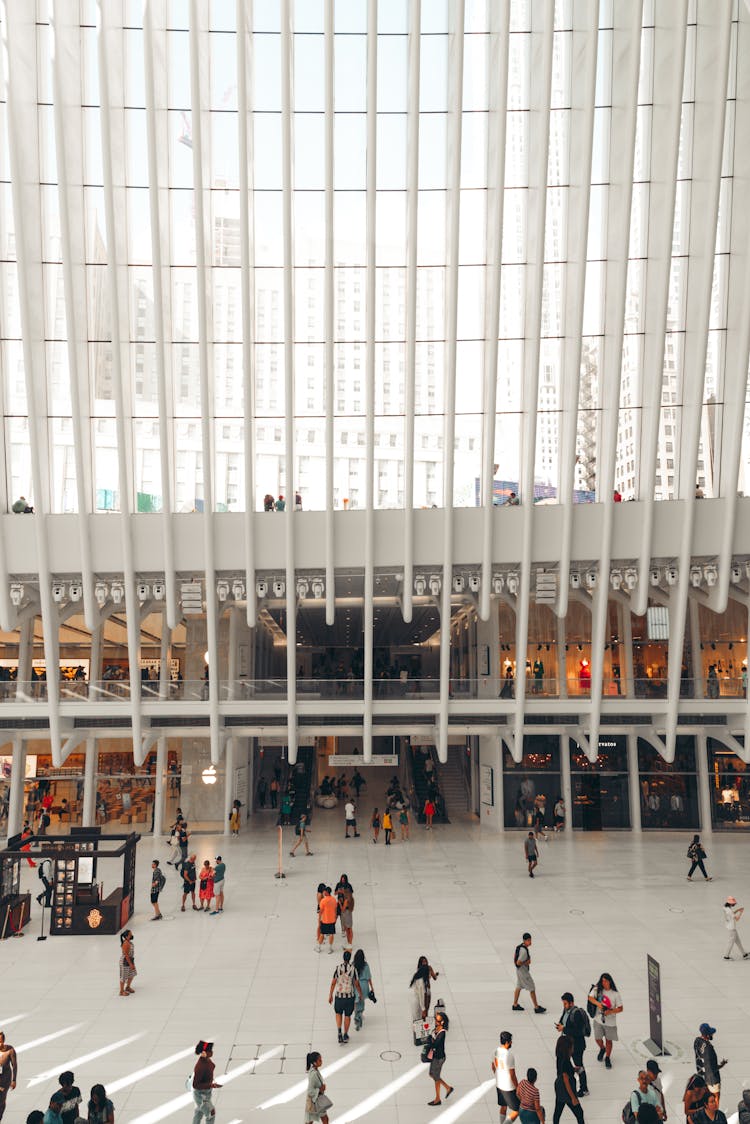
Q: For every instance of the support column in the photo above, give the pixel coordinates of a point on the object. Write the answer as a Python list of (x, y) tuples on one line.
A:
[(491, 753), (228, 781), (695, 648), (25, 652), (567, 786), (161, 769), (627, 645), (233, 654), (17, 774), (488, 637), (562, 662), (95, 667), (704, 784), (164, 674), (88, 814), (634, 784)]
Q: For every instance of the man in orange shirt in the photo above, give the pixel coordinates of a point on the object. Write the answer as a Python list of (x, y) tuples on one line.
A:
[(328, 911)]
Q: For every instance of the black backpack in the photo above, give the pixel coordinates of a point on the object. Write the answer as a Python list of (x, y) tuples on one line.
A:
[(628, 1116), (579, 1023), (515, 955), (591, 1008)]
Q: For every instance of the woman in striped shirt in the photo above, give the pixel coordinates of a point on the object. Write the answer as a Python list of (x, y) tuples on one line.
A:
[(528, 1096)]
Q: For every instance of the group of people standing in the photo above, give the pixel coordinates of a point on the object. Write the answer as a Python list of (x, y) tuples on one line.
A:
[(65, 1105)]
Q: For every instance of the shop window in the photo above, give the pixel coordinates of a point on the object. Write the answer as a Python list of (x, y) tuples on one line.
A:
[(668, 793), (729, 786), (533, 780), (600, 788), (58, 790)]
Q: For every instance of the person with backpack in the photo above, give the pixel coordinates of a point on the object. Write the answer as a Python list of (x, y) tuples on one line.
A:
[(696, 854), (344, 983), (644, 1094), (44, 873), (158, 882), (301, 832), (576, 1025), (604, 999), (524, 979)]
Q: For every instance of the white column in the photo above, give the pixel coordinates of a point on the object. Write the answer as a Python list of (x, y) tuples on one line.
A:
[(487, 635), (88, 816), (627, 646), (491, 753), (17, 773), (634, 786), (95, 666), (562, 661), (161, 769), (567, 787), (695, 648), (704, 784), (25, 652), (229, 777), (234, 624), (164, 673)]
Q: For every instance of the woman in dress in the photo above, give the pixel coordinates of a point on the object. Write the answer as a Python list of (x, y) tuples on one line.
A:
[(101, 1110), (127, 962), (429, 812), (206, 886), (420, 988), (436, 1043), (203, 1082), (375, 825), (362, 968), (606, 999), (565, 1081), (234, 818), (403, 820), (316, 1101)]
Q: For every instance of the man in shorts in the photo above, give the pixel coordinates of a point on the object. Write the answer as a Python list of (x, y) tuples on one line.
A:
[(220, 872), (531, 853), (344, 983), (328, 911), (506, 1082), (524, 979), (188, 882), (707, 1064), (351, 822), (158, 882), (8, 1071)]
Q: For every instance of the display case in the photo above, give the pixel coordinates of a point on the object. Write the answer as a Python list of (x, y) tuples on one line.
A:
[(15, 907)]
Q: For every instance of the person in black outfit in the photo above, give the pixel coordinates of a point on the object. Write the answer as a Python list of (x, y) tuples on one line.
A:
[(565, 1082), (436, 1043), (696, 854), (707, 1065), (572, 1023)]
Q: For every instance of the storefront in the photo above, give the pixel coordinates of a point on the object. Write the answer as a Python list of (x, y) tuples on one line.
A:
[(729, 788), (668, 793), (526, 782), (600, 788)]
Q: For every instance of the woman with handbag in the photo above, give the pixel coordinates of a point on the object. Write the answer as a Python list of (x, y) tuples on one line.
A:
[(696, 854), (435, 1051), (316, 1101), (203, 1083), (362, 968)]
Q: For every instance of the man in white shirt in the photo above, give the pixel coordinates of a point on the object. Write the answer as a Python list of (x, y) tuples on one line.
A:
[(506, 1082), (351, 822), (732, 914)]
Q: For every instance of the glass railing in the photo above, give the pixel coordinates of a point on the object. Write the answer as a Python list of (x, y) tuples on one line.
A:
[(484, 687)]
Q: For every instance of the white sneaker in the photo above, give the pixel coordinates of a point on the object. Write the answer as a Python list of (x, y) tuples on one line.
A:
[(330, 950)]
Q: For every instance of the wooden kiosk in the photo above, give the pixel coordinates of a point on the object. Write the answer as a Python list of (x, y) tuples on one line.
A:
[(79, 904), (15, 907)]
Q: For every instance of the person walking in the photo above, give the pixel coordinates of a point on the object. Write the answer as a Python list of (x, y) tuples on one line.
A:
[(558, 815), (606, 998), (565, 1081), (316, 1101), (540, 816), (344, 984), (531, 1111), (301, 832), (696, 854), (328, 910), (574, 1022), (531, 853), (27, 834), (707, 1065), (375, 824), (345, 899), (182, 842), (429, 812), (403, 822), (100, 1108), (506, 1082), (524, 979), (387, 826), (206, 887), (367, 990), (220, 873), (350, 812), (732, 914), (158, 882), (188, 882), (420, 989), (8, 1071), (235, 817), (203, 1083), (436, 1052), (127, 962), (274, 791)]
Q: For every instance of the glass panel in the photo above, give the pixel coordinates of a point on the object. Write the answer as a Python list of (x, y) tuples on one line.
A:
[(728, 779)]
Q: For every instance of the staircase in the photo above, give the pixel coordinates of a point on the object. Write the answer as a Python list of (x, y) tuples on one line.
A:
[(451, 779)]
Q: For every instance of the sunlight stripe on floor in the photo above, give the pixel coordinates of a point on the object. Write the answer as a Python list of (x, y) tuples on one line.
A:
[(12, 1019), (379, 1096), (301, 1086), (456, 1111), (170, 1107), (75, 1063), (147, 1071), (47, 1038)]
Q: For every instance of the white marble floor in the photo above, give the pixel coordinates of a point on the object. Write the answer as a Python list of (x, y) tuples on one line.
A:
[(251, 980)]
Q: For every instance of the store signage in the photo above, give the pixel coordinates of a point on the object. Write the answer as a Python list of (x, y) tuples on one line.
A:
[(656, 1040), (354, 760)]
